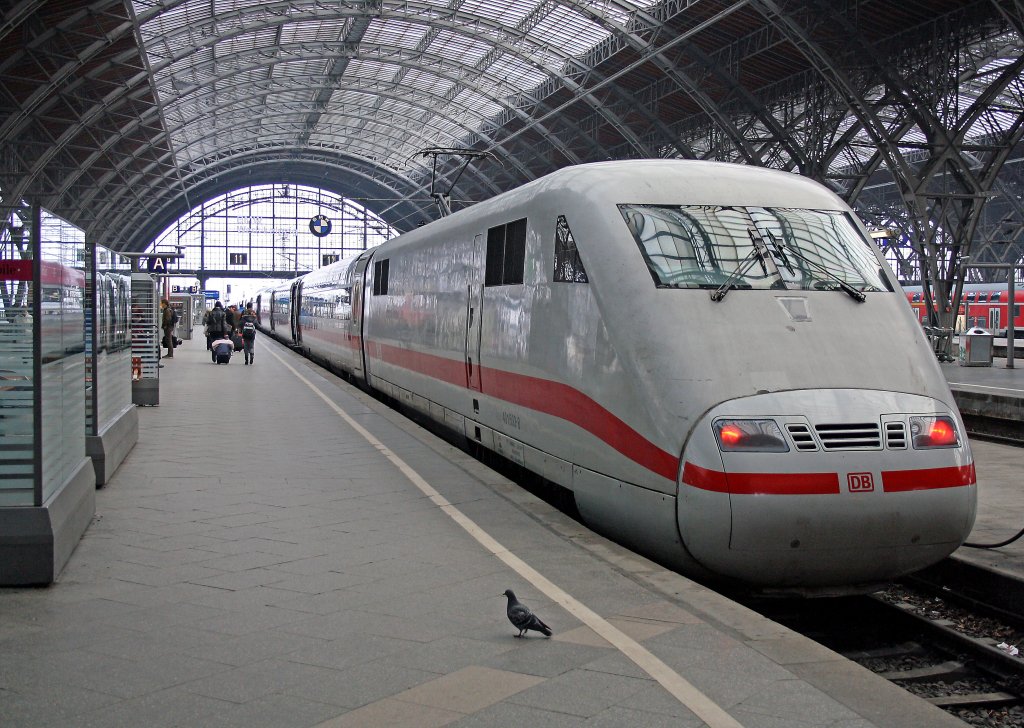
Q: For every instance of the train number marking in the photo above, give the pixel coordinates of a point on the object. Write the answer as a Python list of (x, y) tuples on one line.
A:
[(860, 482), (511, 420)]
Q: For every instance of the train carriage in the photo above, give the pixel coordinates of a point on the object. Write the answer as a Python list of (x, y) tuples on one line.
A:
[(985, 305), (714, 359)]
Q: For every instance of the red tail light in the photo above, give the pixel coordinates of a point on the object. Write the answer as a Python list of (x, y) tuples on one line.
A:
[(731, 435), (761, 435), (930, 432)]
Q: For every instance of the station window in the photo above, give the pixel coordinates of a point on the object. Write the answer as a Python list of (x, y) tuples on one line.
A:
[(506, 254), (380, 277), (568, 266)]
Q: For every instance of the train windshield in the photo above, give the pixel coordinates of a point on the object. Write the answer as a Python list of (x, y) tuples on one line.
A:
[(706, 246)]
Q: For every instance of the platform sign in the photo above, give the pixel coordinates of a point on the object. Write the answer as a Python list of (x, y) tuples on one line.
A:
[(184, 289), (158, 264), (212, 295)]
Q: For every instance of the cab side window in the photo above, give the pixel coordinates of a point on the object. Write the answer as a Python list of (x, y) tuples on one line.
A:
[(568, 266)]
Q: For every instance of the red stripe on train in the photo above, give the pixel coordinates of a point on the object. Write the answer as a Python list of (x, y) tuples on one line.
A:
[(542, 395), (761, 483), (893, 481), (898, 481)]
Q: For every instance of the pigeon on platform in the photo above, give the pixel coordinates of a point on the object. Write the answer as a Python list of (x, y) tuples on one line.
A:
[(522, 618)]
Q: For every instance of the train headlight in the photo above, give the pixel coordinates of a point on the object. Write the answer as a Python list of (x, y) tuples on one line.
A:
[(749, 436), (931, 432)]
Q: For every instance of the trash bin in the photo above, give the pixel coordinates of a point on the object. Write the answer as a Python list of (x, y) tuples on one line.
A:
[(976, 350)]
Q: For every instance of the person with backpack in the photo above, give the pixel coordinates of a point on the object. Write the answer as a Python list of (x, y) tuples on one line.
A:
[(216, 324), (247, 325)]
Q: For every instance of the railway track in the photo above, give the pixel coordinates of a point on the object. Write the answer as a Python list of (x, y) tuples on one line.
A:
[(953, 651), (1006, 432)]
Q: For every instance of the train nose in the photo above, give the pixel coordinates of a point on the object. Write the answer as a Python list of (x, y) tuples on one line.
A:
[(818, 499)]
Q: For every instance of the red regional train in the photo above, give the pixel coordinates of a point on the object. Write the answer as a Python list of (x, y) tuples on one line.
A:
[(982, 304)]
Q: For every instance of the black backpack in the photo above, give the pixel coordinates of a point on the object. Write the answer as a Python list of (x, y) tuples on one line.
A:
[(217, 319), (248, 330)]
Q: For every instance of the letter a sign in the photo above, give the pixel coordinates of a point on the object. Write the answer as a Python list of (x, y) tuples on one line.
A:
[(156, 264)]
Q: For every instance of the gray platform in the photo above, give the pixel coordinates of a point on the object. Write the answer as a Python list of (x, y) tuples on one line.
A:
[(993, 396), (1000, 508), (256, 562)]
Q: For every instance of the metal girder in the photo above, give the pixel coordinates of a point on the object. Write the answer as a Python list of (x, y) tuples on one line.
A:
[(1013, 12), (943, 224), (522, 27), (353, 36), (647, 55), (684, 81)]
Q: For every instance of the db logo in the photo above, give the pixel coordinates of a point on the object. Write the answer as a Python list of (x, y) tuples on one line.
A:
[(859, 482)]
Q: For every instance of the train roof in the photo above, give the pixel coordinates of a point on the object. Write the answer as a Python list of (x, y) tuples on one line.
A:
[(688, 182), (644, 181)]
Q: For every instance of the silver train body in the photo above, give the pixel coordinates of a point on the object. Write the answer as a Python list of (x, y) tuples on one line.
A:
[(714, 359)]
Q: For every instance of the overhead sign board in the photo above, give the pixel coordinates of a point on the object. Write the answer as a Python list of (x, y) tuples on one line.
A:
[(212, 295), (158, 263)]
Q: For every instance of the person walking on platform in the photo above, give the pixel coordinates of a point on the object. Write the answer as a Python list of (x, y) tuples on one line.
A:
[(231, 315), (168, 318), (247, 325)]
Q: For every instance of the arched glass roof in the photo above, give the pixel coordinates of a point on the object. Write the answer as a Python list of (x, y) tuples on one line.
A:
[(121, 116), (381, 81)]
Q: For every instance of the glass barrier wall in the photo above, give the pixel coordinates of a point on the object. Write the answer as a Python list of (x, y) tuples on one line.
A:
[(108, 340), (145, 334), (17, 364), (61, 350)]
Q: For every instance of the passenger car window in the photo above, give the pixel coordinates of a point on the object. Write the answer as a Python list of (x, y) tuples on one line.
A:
[(506, 254), (380, 277)]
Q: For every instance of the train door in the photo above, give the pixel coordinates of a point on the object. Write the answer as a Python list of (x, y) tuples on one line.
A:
[(296, 312), (993, 319), (474, 317), (358, 286)]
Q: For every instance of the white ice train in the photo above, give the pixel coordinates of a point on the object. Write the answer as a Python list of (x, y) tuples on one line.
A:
[(714, 359)]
